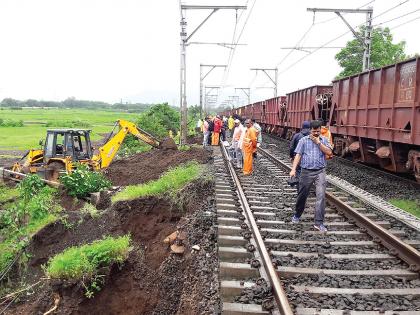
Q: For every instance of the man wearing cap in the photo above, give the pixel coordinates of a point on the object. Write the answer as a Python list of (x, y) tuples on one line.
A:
[(237, 132), (293, 144)]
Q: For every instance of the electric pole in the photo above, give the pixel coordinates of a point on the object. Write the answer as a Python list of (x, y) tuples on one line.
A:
[(202, 77), (247, 92), (233, 99), (272, 79), (367, 40), (184, 42), (210, 98)]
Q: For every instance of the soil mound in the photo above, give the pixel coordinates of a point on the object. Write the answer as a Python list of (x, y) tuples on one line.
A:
[(152, 281), (143, 167), (168, 144)]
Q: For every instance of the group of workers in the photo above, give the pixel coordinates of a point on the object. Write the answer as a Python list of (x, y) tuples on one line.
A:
[(309, 150), (246, 137)]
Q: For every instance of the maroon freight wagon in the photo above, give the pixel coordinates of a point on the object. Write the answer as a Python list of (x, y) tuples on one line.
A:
[(247, 111), (275, 114), (258, 111), (378, 114), (307, 104)]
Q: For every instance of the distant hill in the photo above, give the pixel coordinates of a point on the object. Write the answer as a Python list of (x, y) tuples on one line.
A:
[(73, 103)]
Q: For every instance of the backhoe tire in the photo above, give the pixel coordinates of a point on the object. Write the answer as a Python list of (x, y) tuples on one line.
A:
[(52, 172)]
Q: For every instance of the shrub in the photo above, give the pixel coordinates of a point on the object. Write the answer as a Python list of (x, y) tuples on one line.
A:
[(34, 209), (81, 182), (11, 123), (168, 183), (83, 263), (30, 186), (159, 119), (68, 123), (131, 145)]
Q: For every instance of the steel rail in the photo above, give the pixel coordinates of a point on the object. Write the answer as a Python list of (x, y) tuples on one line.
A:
[(278, 291), (406, 252)]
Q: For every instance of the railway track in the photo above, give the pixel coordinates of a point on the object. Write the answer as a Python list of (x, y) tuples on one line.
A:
[(365, 264), (379, 172)]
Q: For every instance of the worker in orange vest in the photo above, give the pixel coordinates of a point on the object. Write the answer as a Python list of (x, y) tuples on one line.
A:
[(326, 133), (249, 146)]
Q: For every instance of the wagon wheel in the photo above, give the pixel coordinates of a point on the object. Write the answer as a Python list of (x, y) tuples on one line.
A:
[(53, 171)]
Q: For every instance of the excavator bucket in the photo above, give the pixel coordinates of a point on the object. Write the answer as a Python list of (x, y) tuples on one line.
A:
[(168, 143)]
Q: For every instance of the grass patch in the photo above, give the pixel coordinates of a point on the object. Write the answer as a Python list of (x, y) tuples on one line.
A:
[(7, 193), (35, 120), (89, 209), (168, 183), (184, 147), (411, 206), (83, 263)]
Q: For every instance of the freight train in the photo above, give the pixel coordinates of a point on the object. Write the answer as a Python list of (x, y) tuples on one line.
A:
[(374, 116)]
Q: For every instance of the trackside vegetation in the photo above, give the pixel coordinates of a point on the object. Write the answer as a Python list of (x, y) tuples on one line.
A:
[(33, 209), (83, 181), (83, 263), (411, 206), (168, 183)]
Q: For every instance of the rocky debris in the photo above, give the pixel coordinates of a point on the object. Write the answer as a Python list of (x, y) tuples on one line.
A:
[(257, 294), (357, 282), (374, 302)]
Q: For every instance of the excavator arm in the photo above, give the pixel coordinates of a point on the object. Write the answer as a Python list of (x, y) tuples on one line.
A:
[(108, 151)]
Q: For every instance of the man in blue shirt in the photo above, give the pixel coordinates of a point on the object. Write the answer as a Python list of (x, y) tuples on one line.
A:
[(311, 154)]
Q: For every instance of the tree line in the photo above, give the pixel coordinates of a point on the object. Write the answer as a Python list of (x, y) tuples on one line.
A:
[(72, 102)]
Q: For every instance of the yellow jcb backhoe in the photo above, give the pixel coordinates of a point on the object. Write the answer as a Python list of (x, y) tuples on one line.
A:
[(63, 148)]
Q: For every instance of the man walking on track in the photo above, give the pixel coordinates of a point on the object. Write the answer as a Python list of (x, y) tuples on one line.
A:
[(249, 146), (311, 153)]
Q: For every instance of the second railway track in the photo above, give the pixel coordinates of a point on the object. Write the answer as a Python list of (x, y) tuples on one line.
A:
[(360, 266)]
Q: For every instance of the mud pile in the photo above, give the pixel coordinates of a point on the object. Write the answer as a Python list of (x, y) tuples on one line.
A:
[(143, 167)]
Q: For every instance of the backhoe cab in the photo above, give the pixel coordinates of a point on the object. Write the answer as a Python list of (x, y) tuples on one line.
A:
[(63, 148)]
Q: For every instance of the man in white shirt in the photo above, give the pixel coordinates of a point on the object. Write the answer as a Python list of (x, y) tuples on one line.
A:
[(238, 134)]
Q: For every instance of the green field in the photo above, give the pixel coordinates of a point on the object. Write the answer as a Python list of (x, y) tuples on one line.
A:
[(35, 120)]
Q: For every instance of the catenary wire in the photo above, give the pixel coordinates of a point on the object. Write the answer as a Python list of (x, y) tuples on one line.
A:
[(338, 37)]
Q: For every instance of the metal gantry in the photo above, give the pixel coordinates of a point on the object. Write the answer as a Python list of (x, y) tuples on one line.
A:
[(247, 92), (202, 77), (272, 79), (184, 42), (367, 40)]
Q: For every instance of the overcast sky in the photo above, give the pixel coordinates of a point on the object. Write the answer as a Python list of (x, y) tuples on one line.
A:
[(129, 49)]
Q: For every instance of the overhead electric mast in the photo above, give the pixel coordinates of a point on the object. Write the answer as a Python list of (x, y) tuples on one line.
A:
[(274, 80), (247, 92), (184, 43), (367, 40), (202, 77)]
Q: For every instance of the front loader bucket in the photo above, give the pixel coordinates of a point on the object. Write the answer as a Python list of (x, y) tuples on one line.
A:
[(168, 143)]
